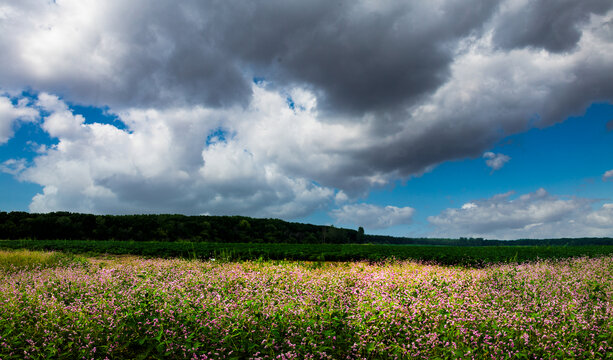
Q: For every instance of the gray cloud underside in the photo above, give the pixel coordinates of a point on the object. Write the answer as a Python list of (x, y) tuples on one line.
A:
[(381, 90), (361, 56), (554, 25)]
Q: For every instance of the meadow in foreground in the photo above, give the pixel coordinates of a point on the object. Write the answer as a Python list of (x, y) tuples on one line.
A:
[(137, 308)]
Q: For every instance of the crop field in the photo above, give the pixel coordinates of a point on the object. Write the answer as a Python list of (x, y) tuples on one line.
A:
[(129, 307), (473, 256)]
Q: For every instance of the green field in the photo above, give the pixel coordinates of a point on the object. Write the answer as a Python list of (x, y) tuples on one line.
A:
[(446, 255)]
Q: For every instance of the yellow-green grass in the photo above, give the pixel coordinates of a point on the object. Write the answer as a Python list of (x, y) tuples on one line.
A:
[(26, 259)]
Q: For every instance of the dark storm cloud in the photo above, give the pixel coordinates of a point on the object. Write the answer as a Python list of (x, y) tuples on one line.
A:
[(553, 25), (360, 56), (357, 56), (590, 84)]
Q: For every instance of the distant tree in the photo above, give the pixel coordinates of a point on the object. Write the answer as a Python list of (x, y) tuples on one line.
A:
[(360, 236), (244, 225)]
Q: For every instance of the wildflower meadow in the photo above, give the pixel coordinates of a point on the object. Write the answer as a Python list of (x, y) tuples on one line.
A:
[(130, 307)]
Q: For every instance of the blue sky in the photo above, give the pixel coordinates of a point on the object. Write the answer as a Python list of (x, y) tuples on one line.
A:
[(396, 116)]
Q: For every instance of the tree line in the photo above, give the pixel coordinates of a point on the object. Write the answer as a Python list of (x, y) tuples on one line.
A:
[(392, 240), (222, 229), (164, 228)]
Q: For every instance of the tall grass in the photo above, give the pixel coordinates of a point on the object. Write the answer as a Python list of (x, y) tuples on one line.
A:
[(25, 259)]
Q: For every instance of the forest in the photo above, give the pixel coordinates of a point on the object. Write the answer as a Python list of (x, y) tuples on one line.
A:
[(222, 229)]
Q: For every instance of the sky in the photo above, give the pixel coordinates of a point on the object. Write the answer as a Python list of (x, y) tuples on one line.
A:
[(441, 118)]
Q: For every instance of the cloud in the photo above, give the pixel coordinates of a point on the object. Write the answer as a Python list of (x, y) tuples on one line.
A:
[(360, 55), (491, 94), (602, 218), (532, 215), (373, 216), (350, 95), (495, 161), (61, 123), (607, 175), (554, 25), (161, 163), (13, 166), (11, 115)]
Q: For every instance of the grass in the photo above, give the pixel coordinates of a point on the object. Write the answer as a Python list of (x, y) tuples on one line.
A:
[(22, 259)]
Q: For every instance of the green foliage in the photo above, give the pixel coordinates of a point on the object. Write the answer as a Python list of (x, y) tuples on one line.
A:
[(476, 256), (170, 228)]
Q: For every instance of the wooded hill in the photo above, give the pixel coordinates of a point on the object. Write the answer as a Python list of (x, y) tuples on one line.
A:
[(221, 229)]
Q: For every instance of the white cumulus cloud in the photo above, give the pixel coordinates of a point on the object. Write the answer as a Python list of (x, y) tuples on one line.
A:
[(372, 216), (601, 218), (533, 215), (162, 163), (11, 114), (607, 175)]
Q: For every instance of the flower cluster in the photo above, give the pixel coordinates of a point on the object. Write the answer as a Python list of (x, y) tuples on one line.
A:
[(132, 307)]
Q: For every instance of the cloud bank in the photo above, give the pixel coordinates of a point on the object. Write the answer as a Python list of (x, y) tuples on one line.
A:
[(533, 215), (276, 108), (372, 216)]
